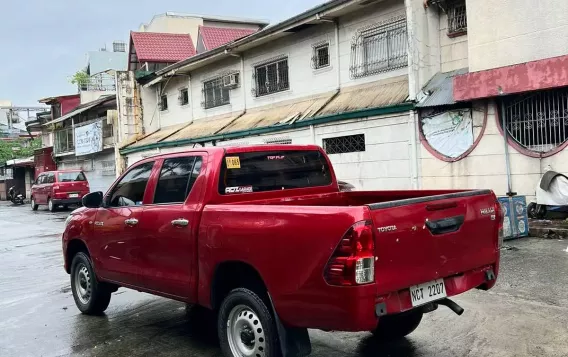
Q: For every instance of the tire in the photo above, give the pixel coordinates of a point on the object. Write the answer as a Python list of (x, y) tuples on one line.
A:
[(393, 327), (91, 296), (257, 334), (50, 206), (33, 204)]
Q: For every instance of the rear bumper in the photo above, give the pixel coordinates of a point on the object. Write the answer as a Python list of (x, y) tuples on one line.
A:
[(67, 201), (359, 308)]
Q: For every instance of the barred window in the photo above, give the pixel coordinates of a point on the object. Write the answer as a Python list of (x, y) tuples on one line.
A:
[(163, 102), (320, 58), (215, 93), (183, 97), (380, 48), (344, 144), (457, 18), (537, 121), (272, 77)]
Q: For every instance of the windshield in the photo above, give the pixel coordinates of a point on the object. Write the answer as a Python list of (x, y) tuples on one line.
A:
[(275, 170), (71, 176)]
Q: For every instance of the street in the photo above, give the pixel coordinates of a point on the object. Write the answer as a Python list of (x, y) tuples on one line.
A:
[(524, 315)]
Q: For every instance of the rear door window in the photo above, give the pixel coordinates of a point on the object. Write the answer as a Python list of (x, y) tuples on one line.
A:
[(176, 179), (50, 178), (71, 176), (129, 191), (275, 170)]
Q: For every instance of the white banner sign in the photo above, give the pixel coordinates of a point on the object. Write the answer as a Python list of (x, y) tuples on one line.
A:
[(449, 133), (89, 138)]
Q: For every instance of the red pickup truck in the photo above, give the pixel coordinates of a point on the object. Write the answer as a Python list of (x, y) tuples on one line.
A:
[(263, 236)]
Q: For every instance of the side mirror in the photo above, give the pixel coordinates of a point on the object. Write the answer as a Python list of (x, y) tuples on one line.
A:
[(93, 200)]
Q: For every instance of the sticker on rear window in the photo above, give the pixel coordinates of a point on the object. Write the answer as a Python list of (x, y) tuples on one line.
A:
[(233, 162), (238, 189)]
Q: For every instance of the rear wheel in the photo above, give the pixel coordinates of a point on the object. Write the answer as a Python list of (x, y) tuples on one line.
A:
[(50, 205), (246, 326), (392, 327), (91, 296), (33, 204)]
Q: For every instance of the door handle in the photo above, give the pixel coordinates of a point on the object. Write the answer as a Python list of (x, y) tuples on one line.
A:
[(180, 222), (131, 221)]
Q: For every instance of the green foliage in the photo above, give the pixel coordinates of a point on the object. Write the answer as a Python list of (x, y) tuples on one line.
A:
[(80, 78), (26, 149)]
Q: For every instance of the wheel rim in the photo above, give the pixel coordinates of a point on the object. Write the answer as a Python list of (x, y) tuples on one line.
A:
[(83, 284), (33, 203), (50, 205), (245, 333)]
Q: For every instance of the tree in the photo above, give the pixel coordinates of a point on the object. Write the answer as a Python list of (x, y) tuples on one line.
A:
[(81, 78), (25, 148)]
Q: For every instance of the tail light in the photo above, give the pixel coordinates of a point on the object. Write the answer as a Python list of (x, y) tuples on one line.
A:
[(353, 261), (500, 216)]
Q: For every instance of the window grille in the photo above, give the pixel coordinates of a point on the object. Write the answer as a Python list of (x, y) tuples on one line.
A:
[(320, 58), (215, 93), (344, 144), (163, 102), (271, 77), (183, 97), (457, 18), (538, 121), (286, 141), (380, 48)]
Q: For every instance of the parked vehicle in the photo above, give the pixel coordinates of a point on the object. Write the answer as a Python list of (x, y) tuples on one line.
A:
[(15, 196), (59, 188), (551, 196), (263, 236)]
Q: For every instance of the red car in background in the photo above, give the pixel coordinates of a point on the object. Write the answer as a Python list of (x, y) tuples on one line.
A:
[(55, 188)]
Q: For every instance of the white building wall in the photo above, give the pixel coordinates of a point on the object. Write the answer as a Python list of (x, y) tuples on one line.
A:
[(454, 51), (150, 110), (176, 113), (99, 175), (503, 33)]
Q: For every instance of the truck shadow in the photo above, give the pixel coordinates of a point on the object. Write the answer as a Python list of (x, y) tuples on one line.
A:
[(369, 346)]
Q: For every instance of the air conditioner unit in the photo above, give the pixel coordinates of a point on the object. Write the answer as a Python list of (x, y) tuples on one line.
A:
[(231, 80)]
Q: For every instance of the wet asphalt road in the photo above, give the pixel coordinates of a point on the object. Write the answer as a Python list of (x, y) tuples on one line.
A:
[(526, 314)]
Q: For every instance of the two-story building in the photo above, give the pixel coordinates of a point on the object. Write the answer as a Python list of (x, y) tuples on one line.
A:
[(336, 75)]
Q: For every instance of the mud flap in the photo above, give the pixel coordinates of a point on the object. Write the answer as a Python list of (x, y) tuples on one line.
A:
[(294, 342)]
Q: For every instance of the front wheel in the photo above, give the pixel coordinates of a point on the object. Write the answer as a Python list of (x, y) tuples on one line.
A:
[(246, 326), (392, 327), (91, 296)]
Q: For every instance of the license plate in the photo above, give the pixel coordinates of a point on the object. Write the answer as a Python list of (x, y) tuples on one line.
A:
[(73, 195), (424, 293)]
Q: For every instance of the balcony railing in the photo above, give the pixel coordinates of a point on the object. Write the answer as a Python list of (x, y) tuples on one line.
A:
[(98, 82)]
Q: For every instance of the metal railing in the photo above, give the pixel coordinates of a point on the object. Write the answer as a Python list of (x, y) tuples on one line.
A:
[(381, 48), (539, 121)]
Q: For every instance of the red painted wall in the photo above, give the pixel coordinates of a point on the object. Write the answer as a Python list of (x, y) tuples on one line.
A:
[(43, 161), (69, 103), (530, 76)]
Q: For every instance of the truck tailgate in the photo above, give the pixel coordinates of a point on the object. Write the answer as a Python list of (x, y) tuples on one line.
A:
[(422, 239)]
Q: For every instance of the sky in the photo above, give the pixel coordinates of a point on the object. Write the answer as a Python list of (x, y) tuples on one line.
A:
[(43, 42)]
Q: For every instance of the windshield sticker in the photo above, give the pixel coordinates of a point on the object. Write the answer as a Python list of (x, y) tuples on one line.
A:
[(233, 162), (238, 189)]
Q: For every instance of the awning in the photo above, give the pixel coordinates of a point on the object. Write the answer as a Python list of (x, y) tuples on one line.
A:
[(531, 76), (160, 135), (204, 127), (285, 112), (374, 95), (81, 108), (440, 89)]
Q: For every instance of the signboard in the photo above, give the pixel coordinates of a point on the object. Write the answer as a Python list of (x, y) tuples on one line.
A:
[(89, 138), (449, 133)]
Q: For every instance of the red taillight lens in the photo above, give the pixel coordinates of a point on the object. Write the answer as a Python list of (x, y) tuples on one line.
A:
[(353, 261)]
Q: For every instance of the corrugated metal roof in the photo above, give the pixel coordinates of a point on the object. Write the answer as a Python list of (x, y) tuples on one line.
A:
[(373, 95), (204, 127), (440, 89), (83, 107), (214, 37), (160, 135), (288, 111), (162, 47)]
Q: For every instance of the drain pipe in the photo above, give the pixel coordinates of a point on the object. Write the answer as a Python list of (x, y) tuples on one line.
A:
[(510, 192)]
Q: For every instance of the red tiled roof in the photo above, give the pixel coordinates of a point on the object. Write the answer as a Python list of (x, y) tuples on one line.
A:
[(162, 47), (214, 37)]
